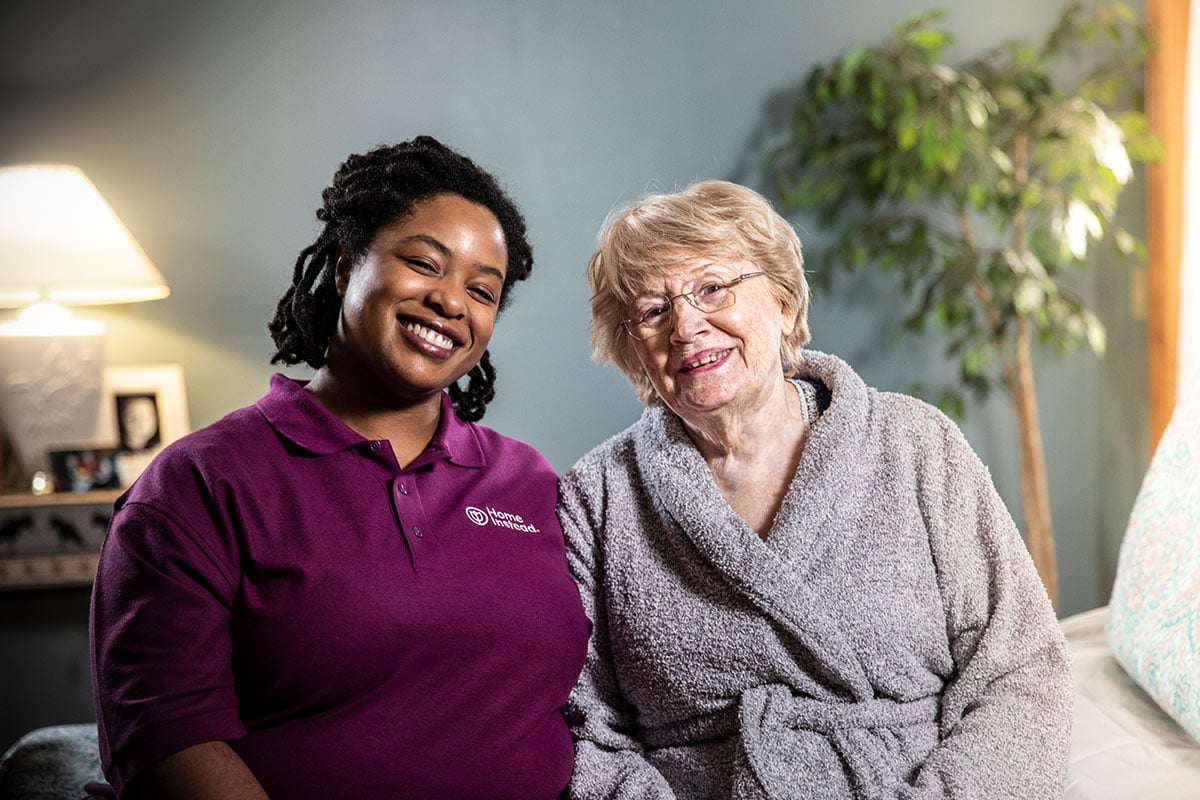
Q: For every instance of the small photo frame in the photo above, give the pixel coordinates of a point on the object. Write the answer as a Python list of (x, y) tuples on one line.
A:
[(160, 384), (84, 470), (144, 408), (139, 427)]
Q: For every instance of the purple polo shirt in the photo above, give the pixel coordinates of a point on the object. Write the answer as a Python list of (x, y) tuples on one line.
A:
[(351, 628)]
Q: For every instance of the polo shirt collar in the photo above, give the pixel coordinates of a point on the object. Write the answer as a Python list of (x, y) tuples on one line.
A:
[(457, 439), (298, 417)]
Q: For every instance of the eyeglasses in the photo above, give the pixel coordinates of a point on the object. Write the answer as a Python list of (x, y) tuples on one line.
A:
[(656, 318)]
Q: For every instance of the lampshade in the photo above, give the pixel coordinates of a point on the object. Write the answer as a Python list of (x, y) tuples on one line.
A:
[(61, 242)]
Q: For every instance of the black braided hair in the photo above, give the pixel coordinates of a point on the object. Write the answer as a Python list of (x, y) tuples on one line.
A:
[(372, 190)]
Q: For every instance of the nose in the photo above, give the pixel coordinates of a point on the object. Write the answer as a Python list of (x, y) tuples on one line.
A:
[(447, 301), (686, 320)]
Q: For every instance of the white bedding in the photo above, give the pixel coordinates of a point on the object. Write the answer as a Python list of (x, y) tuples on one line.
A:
[(1123, 746)]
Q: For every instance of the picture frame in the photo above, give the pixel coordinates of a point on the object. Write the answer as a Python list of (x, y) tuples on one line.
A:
[(163, 384), (84, 470), (144, 409)]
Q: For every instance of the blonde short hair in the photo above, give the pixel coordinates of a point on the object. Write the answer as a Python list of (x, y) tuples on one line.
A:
[(715, 220)]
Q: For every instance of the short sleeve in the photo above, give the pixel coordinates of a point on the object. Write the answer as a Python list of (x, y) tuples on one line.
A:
[(161, 642)]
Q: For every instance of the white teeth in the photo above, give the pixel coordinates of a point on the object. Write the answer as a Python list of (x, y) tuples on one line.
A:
[(708, 359), (429, 335)]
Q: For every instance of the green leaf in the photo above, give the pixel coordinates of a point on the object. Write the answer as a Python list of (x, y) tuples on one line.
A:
[(1002, 160), (930, 42), (978, 195), (951, 403), (1125, 242), (1028, 297), (929, 149), (976, 111), (1096, 336), (848, 74), (973, 362)]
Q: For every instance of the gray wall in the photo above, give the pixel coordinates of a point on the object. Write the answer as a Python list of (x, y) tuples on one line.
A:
[(213, 126)]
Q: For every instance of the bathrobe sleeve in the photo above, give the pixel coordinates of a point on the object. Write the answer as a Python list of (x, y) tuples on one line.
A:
[(1006, 710), (608, 756)]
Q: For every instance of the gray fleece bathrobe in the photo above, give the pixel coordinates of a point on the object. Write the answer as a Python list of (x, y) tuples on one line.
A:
[(889, 638)]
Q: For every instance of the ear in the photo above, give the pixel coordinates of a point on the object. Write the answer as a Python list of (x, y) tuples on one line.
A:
[(341, 272), (788, 311)]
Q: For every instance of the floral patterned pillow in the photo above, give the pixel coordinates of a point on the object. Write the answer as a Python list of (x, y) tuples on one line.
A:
[(1154, 612)]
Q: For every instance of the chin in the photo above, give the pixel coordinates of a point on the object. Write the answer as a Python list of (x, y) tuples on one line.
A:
[(697, 406)]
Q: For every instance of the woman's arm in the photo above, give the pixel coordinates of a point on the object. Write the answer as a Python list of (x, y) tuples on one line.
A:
[(1006, 712), (208, 771), (608, 756)]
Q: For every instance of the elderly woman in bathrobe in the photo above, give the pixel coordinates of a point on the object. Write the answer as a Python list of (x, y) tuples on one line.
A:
[(801, 587)]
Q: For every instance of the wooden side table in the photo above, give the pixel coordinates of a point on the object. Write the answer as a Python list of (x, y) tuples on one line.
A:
[(52, 540)]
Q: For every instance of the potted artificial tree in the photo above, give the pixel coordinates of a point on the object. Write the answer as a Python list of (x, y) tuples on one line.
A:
[(982, 186)]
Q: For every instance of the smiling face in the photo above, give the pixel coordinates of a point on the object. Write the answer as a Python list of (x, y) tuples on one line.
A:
[(717, 363), (418, 308)]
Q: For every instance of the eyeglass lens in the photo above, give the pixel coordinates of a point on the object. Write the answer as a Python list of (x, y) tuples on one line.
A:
[(708, 298)]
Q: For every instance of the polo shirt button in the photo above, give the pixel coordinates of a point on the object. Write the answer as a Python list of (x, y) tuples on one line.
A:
[(418, 532), (374, 447), (403, 489)]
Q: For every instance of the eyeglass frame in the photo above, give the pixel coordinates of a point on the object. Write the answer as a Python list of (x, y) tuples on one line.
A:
[(690, 297)]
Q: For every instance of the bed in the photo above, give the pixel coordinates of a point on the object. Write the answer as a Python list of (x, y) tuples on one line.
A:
[(1123, 746), (1136, 661)]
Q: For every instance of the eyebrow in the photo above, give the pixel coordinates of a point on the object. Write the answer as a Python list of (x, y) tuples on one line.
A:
[(701, 274), (445, 251)]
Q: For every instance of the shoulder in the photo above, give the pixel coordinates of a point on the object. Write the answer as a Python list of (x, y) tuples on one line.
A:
[(924, 428), (222, 451), (228, 439), (180, 506), (890, 431), (514, 455), (892, 416), (912, 415), (606, 483), (914, 437)]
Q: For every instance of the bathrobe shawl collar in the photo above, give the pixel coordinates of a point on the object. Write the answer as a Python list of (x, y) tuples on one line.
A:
[(765, 572)]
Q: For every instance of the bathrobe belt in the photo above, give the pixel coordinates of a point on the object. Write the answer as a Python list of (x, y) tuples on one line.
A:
[(786, 740)]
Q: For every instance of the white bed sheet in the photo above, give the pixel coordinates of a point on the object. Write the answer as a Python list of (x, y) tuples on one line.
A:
[(1123, 746)]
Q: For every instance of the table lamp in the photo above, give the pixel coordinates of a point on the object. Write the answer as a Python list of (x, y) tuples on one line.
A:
[(60, 245)]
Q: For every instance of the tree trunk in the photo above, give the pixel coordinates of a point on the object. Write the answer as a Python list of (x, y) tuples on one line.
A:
[(1035, 495)]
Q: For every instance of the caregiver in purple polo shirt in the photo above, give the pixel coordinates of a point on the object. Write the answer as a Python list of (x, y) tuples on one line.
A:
[(350, 589)]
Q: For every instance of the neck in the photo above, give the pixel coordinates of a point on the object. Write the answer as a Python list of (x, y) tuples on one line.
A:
[(752, 456), (375, 414), (741, 433)]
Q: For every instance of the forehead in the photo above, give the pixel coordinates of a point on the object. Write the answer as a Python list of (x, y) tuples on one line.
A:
[(453, 223), (681, 270)]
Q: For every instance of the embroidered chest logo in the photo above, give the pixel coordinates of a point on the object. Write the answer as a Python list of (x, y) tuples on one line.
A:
[(501, 519)]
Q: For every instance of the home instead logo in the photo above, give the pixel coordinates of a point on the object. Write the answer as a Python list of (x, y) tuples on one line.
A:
[(501, 519)]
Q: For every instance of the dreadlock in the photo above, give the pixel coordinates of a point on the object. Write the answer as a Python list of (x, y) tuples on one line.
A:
[(368, 192)]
